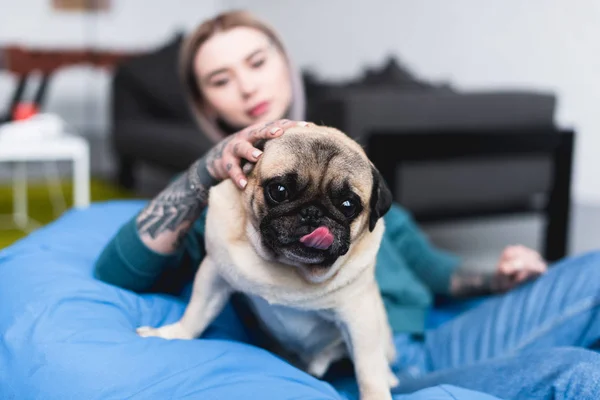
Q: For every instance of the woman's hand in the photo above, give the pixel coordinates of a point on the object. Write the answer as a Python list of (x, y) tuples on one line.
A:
[(224, 160), (517, 265)]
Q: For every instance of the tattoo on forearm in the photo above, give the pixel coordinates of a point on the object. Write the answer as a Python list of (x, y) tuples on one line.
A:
[(181, 202), (216, 153), (469, 282)]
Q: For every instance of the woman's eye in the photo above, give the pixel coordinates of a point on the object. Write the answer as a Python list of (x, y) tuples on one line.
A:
[(258, 63), (220, 82)]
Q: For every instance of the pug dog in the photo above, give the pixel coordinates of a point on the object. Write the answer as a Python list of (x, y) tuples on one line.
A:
[(300, 243)]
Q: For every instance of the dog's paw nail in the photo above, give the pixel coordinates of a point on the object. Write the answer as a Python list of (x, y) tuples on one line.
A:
[(173, 331), (145, 331)]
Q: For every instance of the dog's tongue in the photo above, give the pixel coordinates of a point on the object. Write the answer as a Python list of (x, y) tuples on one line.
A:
[(321, 238)]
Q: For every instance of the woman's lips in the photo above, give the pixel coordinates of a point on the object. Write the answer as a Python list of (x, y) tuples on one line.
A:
[(259, 109)]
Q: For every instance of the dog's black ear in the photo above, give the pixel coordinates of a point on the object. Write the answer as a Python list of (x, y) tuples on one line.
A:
[(381, 199)]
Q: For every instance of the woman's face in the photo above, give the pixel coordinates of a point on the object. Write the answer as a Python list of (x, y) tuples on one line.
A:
[(244, 78)]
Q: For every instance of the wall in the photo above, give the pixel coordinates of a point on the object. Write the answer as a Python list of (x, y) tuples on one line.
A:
[(534, 44)]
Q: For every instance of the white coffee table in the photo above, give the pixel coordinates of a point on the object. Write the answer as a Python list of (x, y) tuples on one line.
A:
[(64, 147)]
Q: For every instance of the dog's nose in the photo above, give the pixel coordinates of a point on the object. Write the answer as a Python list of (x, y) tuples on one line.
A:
[(311, 213)]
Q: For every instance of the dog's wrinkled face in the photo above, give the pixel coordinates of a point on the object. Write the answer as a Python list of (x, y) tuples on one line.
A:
[(310, 196)]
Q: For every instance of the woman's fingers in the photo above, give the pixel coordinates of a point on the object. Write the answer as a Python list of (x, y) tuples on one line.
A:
[(517, 265), (240, 149), (516, 272), (270, 130), (243, 149), (236, 174)]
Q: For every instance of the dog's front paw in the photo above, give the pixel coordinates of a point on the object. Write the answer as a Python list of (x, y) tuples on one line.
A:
[(173, 331), (376, 395), (392, 379)]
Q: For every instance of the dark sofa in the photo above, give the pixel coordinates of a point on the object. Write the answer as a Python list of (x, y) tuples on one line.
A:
[(151, 122)]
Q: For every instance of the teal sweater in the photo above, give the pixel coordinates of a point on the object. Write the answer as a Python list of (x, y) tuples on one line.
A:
[(409, 269)]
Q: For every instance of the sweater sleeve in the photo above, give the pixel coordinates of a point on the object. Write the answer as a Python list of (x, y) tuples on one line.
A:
[(433, 266), (127, 262)]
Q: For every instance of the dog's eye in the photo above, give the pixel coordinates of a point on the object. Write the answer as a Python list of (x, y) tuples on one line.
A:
[(348, 208), (277, 192)]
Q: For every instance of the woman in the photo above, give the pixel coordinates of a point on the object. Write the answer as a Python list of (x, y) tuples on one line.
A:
[(239, 79)]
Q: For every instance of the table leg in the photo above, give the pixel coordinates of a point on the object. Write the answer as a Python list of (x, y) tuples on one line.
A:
[(57, 197), (81, 179), (20, 216)]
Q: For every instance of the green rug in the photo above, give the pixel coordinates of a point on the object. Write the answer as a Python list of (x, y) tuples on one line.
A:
[(40, 207)]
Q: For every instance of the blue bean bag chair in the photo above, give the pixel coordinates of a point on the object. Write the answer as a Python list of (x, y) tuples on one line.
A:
[(65, 335)]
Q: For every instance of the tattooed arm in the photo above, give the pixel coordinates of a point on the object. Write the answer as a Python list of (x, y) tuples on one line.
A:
[(168, 217)]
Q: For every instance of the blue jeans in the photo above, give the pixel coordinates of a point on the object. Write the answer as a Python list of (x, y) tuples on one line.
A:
[(568, 373), (516, 345), (530, 343)]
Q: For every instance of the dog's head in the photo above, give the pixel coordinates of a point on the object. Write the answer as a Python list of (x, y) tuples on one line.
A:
[(312, 194)]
